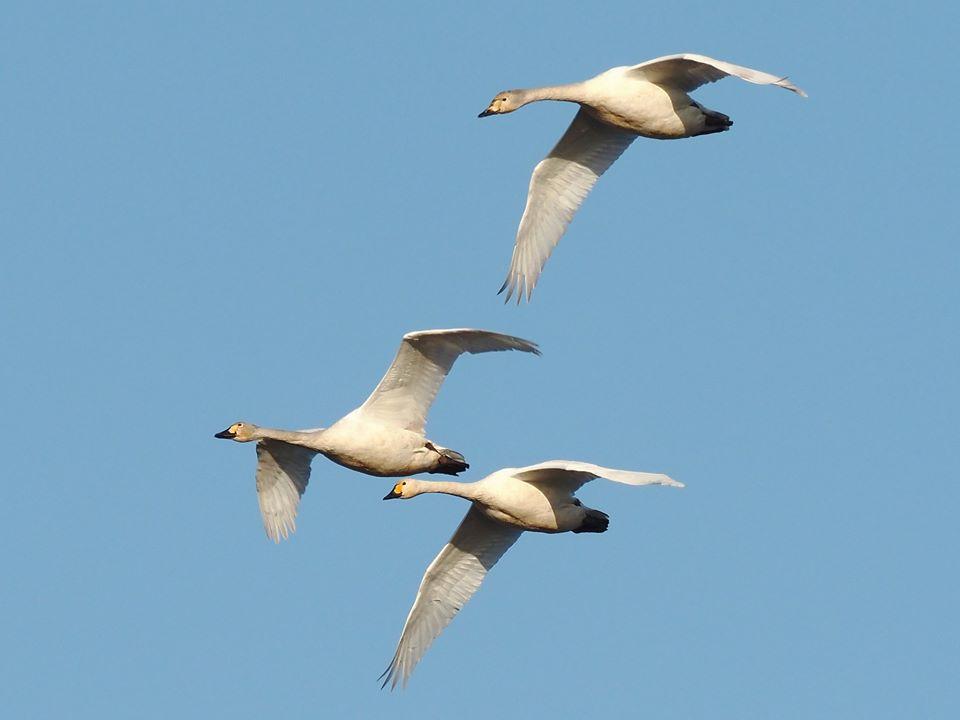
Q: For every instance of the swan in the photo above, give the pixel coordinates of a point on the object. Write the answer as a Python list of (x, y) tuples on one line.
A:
[(539, 498), (383, 437), (649, 99)]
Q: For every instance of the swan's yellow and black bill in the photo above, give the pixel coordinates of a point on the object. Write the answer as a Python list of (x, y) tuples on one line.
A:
[(227, 434), (486, 112), (395, 493)]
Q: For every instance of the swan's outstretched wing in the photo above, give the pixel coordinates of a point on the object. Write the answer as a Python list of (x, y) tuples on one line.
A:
[(283, 471), (571, 475), (687, 72), (407, 391), (451, 579), (558, 186)]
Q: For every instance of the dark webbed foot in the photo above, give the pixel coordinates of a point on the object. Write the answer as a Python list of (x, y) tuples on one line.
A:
[(594, 521), (450, 461)]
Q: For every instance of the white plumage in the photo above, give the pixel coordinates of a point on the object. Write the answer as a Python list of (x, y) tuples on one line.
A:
[(617, 106), (384, 437), (539, 498)]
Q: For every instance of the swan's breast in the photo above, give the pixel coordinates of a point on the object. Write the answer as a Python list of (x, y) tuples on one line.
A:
[(522, 504), (374, 448), (639, 106)]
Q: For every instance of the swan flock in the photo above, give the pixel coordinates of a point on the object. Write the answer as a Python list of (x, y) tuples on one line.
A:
[(386, 435)]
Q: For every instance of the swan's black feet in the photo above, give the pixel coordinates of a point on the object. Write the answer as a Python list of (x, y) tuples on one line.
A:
[(451, 462), (594, 521)]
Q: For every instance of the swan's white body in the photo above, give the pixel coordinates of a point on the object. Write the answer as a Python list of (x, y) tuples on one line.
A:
[(649, 100), (384, 437), (539, 498)]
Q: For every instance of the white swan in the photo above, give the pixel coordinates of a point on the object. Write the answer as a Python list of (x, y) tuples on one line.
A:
[(538, 498), (383, 437), (649, 99)]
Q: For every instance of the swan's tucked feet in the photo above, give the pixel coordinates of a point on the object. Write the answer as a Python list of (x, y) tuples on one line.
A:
[(451, 462), (594, 521), (713, 121)]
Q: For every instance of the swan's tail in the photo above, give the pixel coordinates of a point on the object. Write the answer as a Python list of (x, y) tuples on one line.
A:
[(594, 521)]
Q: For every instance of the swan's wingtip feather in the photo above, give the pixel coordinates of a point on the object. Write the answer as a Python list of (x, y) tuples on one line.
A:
[(388, 675), (785, 83), (508, 286)]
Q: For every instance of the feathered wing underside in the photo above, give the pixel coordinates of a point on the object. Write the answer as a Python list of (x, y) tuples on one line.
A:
[(410, 385), (450, 580), (571, 475), (687, 72), (558, 186), (283, 471)]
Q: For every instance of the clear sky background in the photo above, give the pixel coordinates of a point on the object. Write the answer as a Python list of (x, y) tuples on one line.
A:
[(223, 211)]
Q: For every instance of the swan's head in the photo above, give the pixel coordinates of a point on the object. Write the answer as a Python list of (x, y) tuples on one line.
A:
[(505, 102), (404, 490), (241, 432)]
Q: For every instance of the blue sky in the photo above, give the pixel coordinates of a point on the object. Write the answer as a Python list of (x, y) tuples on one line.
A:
[(235, 211)]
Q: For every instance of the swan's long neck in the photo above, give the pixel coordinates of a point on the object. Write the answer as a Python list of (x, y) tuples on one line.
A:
[(312, 439), (464, 490), (574, 92)]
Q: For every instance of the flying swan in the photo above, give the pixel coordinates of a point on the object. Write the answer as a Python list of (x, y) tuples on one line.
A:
[(384, 436), (649, 99), (539, 498)]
